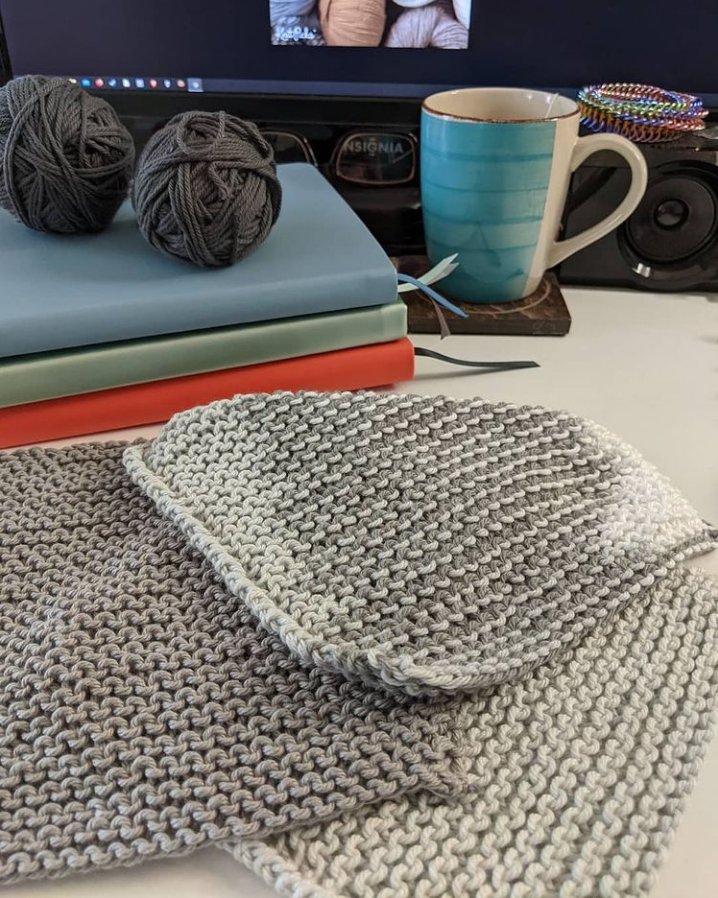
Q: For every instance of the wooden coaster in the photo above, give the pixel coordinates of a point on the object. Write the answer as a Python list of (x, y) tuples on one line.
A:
[(543, 313)]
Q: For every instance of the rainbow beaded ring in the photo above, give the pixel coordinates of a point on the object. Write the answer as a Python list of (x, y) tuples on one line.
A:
[(640, 112)]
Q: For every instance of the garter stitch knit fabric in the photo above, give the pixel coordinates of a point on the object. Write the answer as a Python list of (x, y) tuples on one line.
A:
[(428, 545), (378, 646), (142, 713), (579, 776)]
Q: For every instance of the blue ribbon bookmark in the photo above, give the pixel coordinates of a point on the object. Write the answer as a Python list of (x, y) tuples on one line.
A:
[(431, 293)]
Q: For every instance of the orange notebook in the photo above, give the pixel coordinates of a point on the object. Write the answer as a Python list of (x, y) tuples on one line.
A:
[(149, 403)]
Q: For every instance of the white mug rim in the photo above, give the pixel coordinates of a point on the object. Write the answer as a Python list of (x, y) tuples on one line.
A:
[(426, 107)]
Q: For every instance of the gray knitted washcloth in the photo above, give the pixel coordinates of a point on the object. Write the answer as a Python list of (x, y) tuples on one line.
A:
[(581, 772), (141, 711), (427, 544)]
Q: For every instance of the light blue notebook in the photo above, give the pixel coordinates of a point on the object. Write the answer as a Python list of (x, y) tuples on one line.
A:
[(58, 292)]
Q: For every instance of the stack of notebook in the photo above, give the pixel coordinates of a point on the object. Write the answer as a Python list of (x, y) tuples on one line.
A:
[(102, 332)]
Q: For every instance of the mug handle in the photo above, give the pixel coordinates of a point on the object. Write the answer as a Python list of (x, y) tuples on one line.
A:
[(585, 147)]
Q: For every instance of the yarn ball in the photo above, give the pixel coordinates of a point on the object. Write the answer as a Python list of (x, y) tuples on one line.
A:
[(66, 160), (206, 189), (284, 9), (462, 11), (428, 26), (353, 23)]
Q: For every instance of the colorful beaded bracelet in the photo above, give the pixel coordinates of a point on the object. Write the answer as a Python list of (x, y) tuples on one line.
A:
[(640, 112)]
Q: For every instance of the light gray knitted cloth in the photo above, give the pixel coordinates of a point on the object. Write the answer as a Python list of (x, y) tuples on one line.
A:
[(141, 711), (280, 649), (580, 773), (427, 544)]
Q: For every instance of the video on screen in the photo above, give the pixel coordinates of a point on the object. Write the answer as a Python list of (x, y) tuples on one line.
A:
[(408, 24)]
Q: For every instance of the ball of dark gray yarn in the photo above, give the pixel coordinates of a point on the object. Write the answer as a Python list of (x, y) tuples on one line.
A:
[(66, 160), (206, 189)]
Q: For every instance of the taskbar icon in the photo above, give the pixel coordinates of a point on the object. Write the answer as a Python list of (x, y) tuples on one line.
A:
[(113, 82)]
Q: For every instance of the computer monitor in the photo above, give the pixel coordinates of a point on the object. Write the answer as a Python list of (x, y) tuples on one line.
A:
[(360, 48)]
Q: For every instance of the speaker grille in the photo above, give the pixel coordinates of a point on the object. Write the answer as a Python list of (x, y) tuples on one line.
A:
[(676, 220)]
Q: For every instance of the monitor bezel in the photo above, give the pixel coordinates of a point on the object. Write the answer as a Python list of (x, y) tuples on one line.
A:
[(328, 104)]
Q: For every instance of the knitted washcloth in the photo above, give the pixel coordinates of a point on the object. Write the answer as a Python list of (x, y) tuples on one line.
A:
[(141, 712), (429, 544), (581, 771)]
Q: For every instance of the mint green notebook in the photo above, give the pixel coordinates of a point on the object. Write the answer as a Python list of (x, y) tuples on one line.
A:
[(49, 375)]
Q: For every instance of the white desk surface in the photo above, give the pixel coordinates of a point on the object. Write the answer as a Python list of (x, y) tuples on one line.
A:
[(645, 366)]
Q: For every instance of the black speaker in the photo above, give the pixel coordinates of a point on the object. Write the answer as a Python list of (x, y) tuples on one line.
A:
[(670, 243)]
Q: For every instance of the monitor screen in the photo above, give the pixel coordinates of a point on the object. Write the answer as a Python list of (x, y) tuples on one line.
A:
[(389, 48)]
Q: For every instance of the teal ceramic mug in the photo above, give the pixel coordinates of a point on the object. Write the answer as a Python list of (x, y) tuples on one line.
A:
[(495, 171)]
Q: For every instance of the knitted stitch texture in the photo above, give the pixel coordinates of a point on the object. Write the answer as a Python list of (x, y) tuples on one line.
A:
[(422, 543), (580, 774), (141, 711)]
